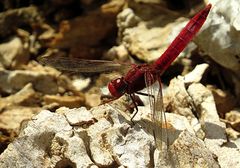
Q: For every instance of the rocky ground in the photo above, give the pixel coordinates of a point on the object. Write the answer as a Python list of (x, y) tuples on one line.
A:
[(57, 118)]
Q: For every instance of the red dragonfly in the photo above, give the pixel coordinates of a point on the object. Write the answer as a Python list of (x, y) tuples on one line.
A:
[(139, 76)]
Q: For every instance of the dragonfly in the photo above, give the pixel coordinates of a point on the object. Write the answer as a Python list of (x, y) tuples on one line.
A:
[(139, 76)]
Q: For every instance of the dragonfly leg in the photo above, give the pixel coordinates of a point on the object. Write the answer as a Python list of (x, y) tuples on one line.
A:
[(145, 94), (132, 96), (149, 96)]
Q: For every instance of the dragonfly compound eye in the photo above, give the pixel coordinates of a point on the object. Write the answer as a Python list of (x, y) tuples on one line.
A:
[(117, 87)]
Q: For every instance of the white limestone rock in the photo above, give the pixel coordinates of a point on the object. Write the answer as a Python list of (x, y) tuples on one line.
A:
[(13, 53), (30, 149), (215, 136), (78, 117), (197, 74), (189, 151), (178, 99), (220, 34), (147, 33), (103, 137)]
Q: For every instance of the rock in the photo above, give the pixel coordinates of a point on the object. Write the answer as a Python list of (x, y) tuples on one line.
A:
[(7, 136), (175, 123), (11, 19), (178, 99), (184, 146), (213, 130), (13, 81), (233, 135), (93, 97), (204, 102), (147, 33), (234, 118), (12, 117), (189, 151), (228, 156), (83, 32), (103, 137), (178, 128), (86, 52), (197, 74), (101, 151), (47, 34), (137, 149), (63, 82), (233, 115), (14, 110), (13, 53), (236, 83), (80, 83), (18, 107), (224, 100), (26, 96), (68, 101), (222, 31), (87, 2), (69, 151), (35, 140), (117, 52), (215, 137), (64, 144), (84, 120)]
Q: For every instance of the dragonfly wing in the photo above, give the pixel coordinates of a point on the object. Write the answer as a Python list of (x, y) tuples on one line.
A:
[(149, 78), (160, 129), (159, 118), (156, 106), (81, 65)]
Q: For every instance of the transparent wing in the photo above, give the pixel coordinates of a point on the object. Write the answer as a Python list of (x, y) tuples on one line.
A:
[(159, 118), (162, 135), (81, 65), (160, 130), (149, 78)]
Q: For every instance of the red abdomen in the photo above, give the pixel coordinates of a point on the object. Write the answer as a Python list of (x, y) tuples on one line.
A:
[(181, 41)]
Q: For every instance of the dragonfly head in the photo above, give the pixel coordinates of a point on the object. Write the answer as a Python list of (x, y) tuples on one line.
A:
[(117, 87)]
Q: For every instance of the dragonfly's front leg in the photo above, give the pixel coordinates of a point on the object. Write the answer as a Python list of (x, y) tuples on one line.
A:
[(133, 98)]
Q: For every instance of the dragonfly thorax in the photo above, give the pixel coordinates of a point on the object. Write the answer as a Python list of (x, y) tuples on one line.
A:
[(117, 87)]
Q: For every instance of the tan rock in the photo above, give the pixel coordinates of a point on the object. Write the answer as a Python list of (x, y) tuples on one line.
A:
[(13, 53), (13, 81), (68, 101)]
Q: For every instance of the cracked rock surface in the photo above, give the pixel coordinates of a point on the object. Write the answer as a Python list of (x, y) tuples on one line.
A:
[(105, 136), (59, 119), (101, 137)]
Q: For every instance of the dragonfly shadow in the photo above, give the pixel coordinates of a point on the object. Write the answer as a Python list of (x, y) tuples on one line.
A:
[(214, 131), (231, 145), (169, 133)]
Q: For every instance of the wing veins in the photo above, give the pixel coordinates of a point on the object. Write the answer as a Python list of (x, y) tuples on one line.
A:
[(81, 65)]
